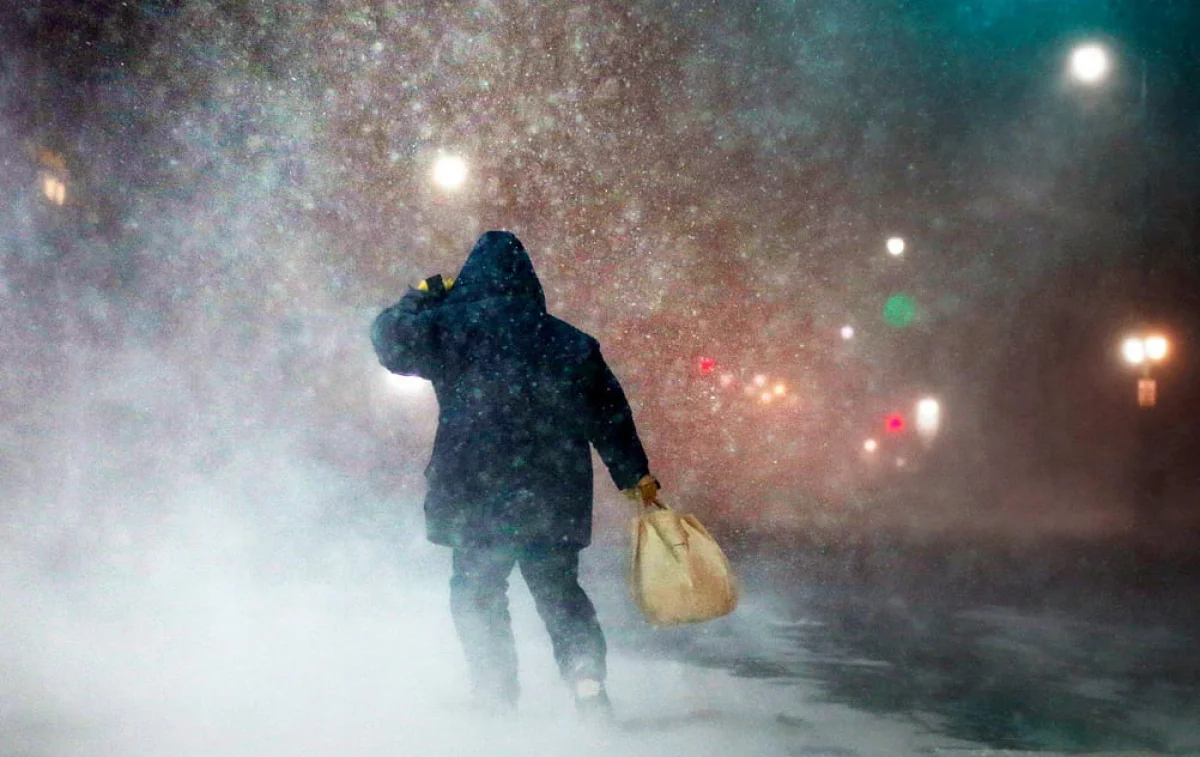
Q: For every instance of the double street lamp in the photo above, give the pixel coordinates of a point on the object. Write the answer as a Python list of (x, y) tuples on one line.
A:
[(1142, 352)]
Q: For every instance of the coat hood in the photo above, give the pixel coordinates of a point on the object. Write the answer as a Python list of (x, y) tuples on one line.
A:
[(498, 266)]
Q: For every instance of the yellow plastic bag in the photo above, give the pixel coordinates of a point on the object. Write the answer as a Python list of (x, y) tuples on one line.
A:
[(678, 573)]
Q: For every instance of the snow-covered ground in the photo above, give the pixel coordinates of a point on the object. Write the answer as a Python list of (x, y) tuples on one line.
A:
[(188, 647), (195, 644)]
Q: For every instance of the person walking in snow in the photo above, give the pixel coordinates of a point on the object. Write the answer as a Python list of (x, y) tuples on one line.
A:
[(522, 395)]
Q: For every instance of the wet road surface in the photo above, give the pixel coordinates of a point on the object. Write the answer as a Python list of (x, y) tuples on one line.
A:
[(1056, 645)]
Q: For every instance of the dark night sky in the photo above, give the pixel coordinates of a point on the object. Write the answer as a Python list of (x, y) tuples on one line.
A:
[(249, 182)]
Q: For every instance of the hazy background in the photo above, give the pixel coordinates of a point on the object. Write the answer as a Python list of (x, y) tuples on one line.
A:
[(206, 478)]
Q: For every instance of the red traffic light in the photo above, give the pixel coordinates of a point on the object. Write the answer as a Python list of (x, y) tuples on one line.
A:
[(894, 423), (706, 365)]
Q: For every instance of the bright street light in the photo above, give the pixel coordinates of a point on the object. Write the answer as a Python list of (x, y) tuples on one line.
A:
[(1141, 350), (929, 413), (1156, 347), (54, 188), (847, 332), (895, 246), (1090, 63), (1134, 350), (449, 172), (870, 446)]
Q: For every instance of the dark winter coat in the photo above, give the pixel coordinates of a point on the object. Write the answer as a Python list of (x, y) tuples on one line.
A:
[(521, 395)]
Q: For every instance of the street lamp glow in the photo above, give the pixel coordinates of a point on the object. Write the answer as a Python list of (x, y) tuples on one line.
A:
[(54, 188), (929, 412), (895, 246), (449, 172), (847, 332), (1155, 347), (870, 446), (1090, 63), (1134, 350), (1143, 351)]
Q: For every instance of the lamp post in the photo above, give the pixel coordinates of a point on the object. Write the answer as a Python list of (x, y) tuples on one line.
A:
[(1092, 65), (1143, 352), (1149, 475)]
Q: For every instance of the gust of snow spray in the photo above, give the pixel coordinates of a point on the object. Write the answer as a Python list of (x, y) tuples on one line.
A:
[(210, 530)]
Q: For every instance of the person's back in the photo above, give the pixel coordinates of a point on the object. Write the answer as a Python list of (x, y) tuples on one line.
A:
[(521, 395)]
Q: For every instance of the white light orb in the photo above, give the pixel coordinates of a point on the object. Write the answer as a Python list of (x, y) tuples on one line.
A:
[(928, 408), (779, 390), (54, 189), (449, 172), (870, 445), (847, 332), (1090, 64), (1134, 351), (760, 380), (895, 246), (1155, 347), (929, 412)]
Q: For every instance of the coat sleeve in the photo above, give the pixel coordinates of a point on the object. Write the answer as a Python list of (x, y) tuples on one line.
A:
[(405, 337), (611, 428)]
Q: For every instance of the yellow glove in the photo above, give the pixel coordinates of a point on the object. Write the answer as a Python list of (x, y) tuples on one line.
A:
[(444, 286), (646, 491)]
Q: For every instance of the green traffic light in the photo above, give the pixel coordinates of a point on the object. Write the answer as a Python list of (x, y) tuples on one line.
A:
[(899, 310)]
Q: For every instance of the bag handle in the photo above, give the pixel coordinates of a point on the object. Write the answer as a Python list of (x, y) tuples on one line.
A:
[(642, 507)]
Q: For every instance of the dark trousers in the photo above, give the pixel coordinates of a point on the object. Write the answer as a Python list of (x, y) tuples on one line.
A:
[(479, 604)]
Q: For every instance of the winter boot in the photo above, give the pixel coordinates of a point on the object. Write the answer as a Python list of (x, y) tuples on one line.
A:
[(591, 700)]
